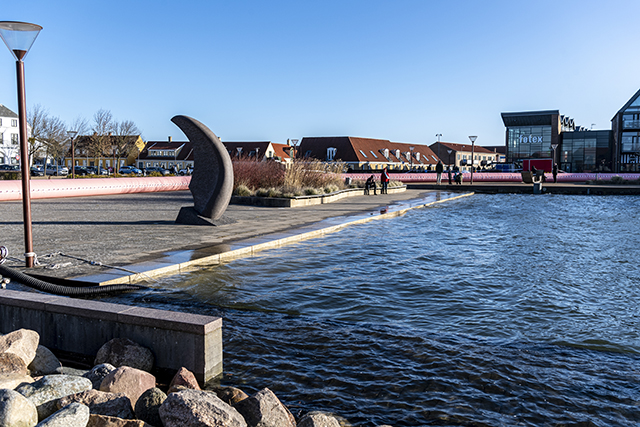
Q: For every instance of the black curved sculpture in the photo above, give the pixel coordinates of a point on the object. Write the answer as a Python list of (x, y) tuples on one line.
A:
[(212, 180)]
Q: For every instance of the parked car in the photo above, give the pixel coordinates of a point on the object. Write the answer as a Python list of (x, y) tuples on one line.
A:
[(129, 170), (9, 167), (56, 170), (187, 171), (37, 170), (93, 170), (81, 170), (152, 169)]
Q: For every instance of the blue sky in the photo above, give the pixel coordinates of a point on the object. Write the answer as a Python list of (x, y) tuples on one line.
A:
[(270, 70)]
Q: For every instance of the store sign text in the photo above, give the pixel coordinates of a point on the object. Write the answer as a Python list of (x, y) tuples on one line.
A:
[(529, 139)]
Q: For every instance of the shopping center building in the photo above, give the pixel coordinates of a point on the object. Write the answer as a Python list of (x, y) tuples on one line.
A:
[(549, 134)]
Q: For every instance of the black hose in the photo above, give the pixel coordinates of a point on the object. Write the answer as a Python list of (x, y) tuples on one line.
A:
[(43, 286)]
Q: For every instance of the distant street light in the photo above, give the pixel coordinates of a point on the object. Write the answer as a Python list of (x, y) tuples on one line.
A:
[(411, 158), (473, 141), (294, 143), (553, 147), (19, 37), (72, 134), (438, 135), (449, 151)]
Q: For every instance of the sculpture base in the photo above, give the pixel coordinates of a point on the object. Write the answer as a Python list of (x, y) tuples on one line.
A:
[(189, 216)]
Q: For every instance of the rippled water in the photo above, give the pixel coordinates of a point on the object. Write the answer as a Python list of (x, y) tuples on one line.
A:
[(490, 310)]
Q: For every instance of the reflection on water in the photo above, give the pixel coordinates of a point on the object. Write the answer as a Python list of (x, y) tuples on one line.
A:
[(491, 310)]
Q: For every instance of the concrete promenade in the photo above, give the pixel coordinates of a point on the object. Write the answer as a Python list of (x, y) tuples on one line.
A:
[(137, 231)]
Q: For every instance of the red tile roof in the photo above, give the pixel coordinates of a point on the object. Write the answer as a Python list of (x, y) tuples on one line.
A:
[(355, 149)]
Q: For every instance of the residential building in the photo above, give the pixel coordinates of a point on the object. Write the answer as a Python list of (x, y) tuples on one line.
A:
[(625, 127), (120, 150), (9, 136), (368, 154), (166, 154), (459, 155)]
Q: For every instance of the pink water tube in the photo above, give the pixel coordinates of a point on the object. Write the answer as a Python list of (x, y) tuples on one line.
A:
[(82, 187)]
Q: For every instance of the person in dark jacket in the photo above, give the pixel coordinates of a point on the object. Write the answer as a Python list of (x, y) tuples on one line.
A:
[(439, 170), (449, 174), (370, 184), (555, 172)]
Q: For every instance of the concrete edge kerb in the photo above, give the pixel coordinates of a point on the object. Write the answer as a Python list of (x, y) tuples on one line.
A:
[(182, 322)]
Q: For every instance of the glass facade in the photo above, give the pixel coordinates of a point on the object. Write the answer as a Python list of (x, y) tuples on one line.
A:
[(527, 142), (585, 151)]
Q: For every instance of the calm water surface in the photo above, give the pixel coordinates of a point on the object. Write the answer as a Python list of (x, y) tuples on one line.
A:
[(493, 310)]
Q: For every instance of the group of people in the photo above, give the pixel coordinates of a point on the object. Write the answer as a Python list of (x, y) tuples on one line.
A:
[(370, 184), (451, 175)]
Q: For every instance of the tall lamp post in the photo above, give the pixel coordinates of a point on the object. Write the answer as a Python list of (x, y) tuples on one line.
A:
[(19, 37), (294, 145), (411, 158), (553, 147), (72, 134), (449, 151), (438, 135), (473, 141)]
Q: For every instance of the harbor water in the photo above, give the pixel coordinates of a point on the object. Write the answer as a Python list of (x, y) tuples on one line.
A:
[(491, 310)]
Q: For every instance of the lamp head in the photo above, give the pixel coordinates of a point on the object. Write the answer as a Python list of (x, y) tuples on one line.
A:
[(19, 37), (473, 138)]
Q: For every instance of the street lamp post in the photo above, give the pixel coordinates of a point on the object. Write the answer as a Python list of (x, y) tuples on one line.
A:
[(72, 134), (411, 159), (438, 135), (473, 141), (449, 151), (553, 147), (294, 145), (19, 37)]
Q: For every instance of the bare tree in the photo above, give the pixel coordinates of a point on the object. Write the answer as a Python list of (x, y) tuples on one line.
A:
[(36, 119), (127, 134), (54, 135), (80, 126), (100, 141)]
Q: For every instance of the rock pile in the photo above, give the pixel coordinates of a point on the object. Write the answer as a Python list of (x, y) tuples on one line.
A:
[(35, 390)]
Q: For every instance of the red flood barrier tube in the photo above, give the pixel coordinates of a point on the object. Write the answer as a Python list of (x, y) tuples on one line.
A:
[(429, 177), (82, 187)]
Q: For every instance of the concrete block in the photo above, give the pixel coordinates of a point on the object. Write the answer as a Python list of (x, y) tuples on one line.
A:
[(77, 326)]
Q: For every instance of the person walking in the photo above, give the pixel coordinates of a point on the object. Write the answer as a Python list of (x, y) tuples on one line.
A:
[(439, 170), (555, 172), (449, 174), (384, 179)]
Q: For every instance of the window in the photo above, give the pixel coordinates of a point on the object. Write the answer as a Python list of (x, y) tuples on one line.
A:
[(1, 125), (14, 123), (14, 138), (373, 154), (331, 153), (362, 152)]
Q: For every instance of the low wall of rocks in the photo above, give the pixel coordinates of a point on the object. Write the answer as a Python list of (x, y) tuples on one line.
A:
[(82, 327)]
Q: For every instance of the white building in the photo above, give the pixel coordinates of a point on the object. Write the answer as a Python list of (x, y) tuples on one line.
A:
[(9, 141)]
